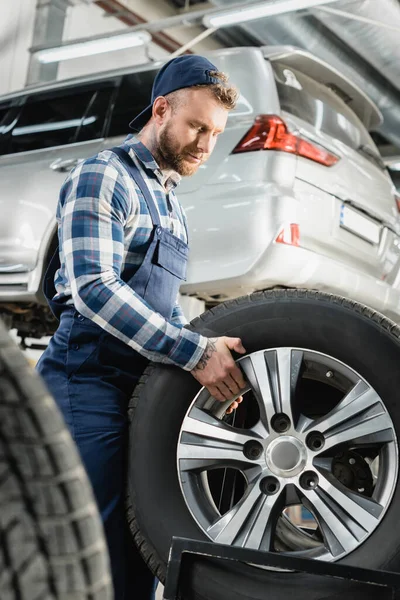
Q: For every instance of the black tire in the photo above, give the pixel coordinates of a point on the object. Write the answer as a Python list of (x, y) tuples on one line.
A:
[(358, 336), (52, 545)]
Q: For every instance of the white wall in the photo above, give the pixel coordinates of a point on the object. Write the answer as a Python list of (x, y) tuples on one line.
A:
[(82, 20), (16, 28)]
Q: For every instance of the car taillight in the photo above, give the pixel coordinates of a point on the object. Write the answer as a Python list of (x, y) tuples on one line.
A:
[(397, 199), (290, 235), (270, 132)]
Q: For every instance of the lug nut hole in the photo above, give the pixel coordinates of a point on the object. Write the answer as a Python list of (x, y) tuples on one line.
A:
[(269, 486), (280, 423), (309, 480), (252, 450), (315, 441)]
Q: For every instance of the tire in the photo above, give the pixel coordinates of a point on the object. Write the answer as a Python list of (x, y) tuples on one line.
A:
[(51, 539), (360, 338)]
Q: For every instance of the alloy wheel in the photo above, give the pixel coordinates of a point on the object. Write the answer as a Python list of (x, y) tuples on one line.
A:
[(312, 438)]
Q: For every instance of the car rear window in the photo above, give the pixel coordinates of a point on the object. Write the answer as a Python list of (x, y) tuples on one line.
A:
[(4, 111), (59, 117), (134, 95), (7, 117), (323, 107)]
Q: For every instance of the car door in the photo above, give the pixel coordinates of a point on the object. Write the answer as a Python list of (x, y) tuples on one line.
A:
[(54, 130)]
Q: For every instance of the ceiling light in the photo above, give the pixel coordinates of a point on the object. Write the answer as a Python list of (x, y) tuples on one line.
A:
[(90, 47), (258, 11)]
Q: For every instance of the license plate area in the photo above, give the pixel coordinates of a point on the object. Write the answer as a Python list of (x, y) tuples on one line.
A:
[(359, 224)]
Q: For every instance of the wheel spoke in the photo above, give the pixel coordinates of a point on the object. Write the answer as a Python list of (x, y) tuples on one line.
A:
[(360, 418), (273, 377), (249, 524), (344, 517), (207, 442), (362, 510)]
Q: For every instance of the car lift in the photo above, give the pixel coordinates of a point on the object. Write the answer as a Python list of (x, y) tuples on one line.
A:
[(183, 546)]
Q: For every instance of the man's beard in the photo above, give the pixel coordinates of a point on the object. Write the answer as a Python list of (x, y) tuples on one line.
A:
[(171, 159)]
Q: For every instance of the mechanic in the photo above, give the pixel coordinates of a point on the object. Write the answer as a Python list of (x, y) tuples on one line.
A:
[(113, 284)]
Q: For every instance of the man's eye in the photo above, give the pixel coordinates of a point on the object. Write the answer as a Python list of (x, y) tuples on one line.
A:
[(198, 128)]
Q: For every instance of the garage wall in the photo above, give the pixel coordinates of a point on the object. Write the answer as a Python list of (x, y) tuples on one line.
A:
[(16, 30)]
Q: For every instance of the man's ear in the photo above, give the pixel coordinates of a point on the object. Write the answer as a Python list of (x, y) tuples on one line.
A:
[(160, 110)]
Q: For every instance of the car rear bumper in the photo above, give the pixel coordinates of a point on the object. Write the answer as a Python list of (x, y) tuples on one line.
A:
[(280, 266), (289, 266)]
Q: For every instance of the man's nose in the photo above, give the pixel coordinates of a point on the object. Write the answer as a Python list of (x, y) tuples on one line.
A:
[(206, 143)]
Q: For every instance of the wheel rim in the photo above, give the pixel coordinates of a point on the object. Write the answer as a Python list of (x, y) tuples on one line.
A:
[(322, 441)]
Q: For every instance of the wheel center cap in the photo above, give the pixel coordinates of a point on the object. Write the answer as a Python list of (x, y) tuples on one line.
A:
[(286, 456)]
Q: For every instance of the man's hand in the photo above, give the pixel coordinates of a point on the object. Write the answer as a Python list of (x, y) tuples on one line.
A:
[(218, 372), (234, 405)]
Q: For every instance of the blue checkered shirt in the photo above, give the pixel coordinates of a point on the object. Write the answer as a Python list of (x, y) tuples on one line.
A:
[(104, 230)]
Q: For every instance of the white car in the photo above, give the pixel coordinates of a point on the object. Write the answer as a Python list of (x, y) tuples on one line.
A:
[(294, 195)]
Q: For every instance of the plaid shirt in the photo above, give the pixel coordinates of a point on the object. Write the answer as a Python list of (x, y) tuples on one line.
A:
[(104, 230)]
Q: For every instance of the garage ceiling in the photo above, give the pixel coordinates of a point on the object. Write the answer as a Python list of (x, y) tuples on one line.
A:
[(366, 52)]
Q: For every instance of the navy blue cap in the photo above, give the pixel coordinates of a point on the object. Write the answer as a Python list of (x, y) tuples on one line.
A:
[(181, 72)]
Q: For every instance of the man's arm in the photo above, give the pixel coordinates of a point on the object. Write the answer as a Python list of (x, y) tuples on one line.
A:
[(95, 205)]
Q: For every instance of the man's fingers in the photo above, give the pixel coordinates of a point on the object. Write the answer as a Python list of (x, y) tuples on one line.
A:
[(239, 347), (225, 389), (235, 344), (232, 407), (215, 393), (221, 392), (232, 385), (237, 375)]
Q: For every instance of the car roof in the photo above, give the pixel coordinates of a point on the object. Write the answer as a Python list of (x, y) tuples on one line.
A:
[(292, 56), (104, 75)]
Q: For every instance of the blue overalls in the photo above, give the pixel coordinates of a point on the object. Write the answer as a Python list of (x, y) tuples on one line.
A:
[(92, 374)]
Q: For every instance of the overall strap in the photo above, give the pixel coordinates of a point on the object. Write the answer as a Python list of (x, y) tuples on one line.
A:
[(137, 177)]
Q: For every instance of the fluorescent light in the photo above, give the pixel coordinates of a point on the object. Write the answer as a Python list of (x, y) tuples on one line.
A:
[(258, 11), (90, 47)]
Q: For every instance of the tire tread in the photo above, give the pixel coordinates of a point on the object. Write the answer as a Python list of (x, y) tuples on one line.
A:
[(52, 545)]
